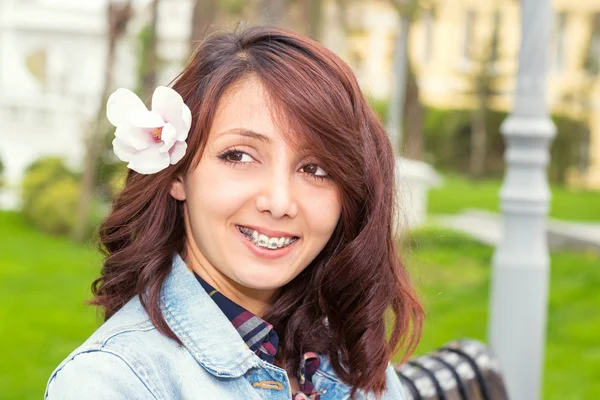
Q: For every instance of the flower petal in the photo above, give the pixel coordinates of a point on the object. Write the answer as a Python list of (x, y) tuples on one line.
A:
[(168, 137), (168, 103), (138, 138), (146, 119), (121, 105), (177, 151), (186, 116), (149, 161), (123, 151)]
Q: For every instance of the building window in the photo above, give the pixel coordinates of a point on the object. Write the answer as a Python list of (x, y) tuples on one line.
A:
[(428, 35), (560, 42), (468, 44)]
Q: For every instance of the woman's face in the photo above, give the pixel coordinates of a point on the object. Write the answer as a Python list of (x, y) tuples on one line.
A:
[(257, 211)]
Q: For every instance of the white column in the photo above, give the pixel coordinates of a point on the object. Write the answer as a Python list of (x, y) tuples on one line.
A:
[(519, 287)]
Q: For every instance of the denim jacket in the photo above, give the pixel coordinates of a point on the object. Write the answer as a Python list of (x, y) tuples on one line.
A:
[(128, 358)]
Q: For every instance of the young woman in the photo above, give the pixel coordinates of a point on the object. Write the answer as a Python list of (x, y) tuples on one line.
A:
[(251, 254)]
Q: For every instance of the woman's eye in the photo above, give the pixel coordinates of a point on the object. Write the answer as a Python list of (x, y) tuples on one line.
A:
[(314, 169), (236, 156)]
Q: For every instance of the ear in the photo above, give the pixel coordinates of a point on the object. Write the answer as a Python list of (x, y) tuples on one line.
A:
[(177, 189)]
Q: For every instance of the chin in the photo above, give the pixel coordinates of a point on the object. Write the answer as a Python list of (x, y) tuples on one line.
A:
[(266, 280)]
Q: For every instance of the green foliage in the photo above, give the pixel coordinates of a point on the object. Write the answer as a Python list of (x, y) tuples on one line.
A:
[(110, 170), (1, 173), (233, 7), (458, 193), (54, 210), (448, 140), (452, 272), (381, 107), (144, 49), (50, 194)]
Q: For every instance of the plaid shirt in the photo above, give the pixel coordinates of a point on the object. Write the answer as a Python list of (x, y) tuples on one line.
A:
[(262, 339)]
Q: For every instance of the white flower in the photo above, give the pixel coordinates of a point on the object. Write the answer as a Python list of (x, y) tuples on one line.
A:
[(149, 140)]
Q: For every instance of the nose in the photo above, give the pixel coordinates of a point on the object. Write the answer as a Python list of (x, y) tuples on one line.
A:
[(276, 196)]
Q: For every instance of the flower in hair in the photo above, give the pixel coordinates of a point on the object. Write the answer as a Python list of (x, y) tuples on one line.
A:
[(149, 141)]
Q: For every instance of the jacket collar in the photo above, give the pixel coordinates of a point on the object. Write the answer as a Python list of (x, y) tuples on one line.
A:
[(202, 327), (211, 338)]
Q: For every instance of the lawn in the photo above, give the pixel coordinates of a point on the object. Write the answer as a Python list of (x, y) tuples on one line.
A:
[(452, 272), (458, 193), (44, 282)]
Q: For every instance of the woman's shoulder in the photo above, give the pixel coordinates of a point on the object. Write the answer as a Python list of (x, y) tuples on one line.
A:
[(394, 389), (114, 359), (325, 377)]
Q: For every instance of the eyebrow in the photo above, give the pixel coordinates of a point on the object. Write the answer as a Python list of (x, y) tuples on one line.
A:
[(247, 133)]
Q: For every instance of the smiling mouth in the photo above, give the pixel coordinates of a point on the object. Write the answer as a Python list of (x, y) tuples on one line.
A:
[(266, 242)]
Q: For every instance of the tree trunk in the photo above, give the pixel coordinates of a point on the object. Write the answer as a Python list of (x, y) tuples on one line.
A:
[(272, 11), (414, 141), (314, 18), (341, 19), (118, 16), (478, 136), (151, 61), (342, 15), (203, 17)]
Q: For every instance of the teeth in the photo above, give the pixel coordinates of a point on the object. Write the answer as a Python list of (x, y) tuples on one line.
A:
[(264, 241)]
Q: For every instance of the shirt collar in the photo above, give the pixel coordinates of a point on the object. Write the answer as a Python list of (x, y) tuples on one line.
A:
[(259, 335)]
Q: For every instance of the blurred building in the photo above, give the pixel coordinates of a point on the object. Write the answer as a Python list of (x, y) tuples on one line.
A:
[(52, 56), (452, 41), (52, 63)]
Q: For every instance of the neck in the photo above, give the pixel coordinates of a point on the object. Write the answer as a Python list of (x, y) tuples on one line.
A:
[(257, 301)]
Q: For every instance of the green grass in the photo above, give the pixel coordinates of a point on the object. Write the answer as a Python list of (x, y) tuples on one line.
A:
[(44, 282), (458, 193), (452, 272)]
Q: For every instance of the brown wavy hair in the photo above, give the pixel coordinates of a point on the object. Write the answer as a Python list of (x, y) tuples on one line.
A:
[(357, 282)]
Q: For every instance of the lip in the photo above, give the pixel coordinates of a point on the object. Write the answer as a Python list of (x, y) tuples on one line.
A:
[(269, 232), (265, 253)]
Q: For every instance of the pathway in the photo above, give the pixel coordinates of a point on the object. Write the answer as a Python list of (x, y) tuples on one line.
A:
[(486, 227)]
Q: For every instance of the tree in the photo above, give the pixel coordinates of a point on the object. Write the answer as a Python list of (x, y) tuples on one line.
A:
[(204, 15), (1, 174), (118, 16), (149, 59), (405, 93), (483, 78), (272, 11), (580, 97), (314, 18)]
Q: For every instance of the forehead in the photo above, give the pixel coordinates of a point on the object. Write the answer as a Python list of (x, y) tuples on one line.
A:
[(246, 105)]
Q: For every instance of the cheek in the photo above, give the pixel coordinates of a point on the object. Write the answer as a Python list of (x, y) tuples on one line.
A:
[(215, 193), (322, 213)]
